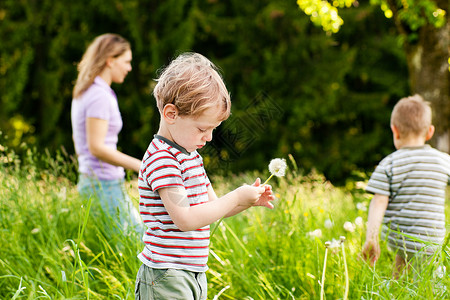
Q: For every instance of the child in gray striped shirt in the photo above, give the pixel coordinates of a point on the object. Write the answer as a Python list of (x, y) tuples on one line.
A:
[(409, 189)]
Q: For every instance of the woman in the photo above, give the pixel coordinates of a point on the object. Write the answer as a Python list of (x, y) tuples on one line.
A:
[(96, 123)]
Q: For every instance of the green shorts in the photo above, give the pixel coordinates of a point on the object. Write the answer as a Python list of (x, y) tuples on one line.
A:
[(173, 284)]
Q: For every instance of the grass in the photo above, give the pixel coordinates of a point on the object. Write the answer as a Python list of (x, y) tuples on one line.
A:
[(56, 246)]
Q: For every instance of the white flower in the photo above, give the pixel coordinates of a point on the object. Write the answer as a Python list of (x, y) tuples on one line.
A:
[(328, 223), (335, 244), (361, 206), (440, 272), (277, 167), (316, 233), (359, 222), (349, 226)]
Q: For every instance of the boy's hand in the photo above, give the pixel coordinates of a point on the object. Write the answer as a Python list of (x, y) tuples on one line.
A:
[(371, 251), (266, 197), (248, 195)]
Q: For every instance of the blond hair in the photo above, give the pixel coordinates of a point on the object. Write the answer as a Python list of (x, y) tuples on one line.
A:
[(412, 115), (193, 84), (94, 59)]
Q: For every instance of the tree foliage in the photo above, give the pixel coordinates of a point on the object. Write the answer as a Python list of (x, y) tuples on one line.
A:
[(414, 13), (325, 99), (423, 27)]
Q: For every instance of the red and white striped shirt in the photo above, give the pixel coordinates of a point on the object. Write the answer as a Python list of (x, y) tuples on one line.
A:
[(166, 164)]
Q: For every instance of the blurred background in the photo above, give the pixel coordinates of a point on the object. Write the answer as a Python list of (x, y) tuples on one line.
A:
[(300, 84)]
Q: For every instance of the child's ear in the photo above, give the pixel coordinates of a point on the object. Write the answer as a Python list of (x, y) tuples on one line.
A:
[(395, 132), (170, 113), (430, 133)]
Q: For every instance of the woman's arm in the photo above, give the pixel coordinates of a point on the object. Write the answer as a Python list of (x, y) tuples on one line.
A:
[(96, 130)]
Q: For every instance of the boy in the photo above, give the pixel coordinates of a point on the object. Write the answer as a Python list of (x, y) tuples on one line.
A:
[(409, 187), (177, 201)]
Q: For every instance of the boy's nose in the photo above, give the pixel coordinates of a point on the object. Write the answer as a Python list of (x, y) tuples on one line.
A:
[(208, 136)]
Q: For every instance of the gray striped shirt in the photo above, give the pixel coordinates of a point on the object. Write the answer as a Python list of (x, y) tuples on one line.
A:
[(415, 179)]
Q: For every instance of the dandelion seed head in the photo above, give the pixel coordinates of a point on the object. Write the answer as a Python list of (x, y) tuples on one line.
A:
[(328, 223), (349, 226), (316, 233), (334, 244), (359, 222), (440, 272), (277, 167), (361, 206)]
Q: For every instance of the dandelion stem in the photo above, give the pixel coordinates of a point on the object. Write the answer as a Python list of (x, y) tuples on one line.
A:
[(345, 268), (267, 179), (215, 228), (322, 285)]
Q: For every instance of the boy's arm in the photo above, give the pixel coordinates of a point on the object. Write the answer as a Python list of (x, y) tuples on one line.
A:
[(188, 217), (371, 249), (264, 200)]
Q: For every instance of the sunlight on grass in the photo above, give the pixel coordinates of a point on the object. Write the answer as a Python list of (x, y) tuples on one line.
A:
[(55, 245)]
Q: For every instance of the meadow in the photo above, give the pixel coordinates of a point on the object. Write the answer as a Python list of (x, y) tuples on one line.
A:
[(55, 246)]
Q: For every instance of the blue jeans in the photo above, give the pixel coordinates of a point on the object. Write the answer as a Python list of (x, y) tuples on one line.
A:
[(113, 200)]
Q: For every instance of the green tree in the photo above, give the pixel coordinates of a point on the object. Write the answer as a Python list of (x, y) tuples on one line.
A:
[(423, 27), (325, 99)]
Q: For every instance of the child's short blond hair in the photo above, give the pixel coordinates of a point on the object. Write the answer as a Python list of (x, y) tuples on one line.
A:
[(412, 116), (193, 84)]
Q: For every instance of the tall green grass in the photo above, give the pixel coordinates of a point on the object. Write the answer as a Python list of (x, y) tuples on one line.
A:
[(55, 245), (265, 254)]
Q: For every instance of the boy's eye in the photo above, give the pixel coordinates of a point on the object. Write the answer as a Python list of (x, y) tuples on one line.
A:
[(201, 130)]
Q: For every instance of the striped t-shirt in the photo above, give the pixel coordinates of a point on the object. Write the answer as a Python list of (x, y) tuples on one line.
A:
[(415, 179), (166, 164)]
